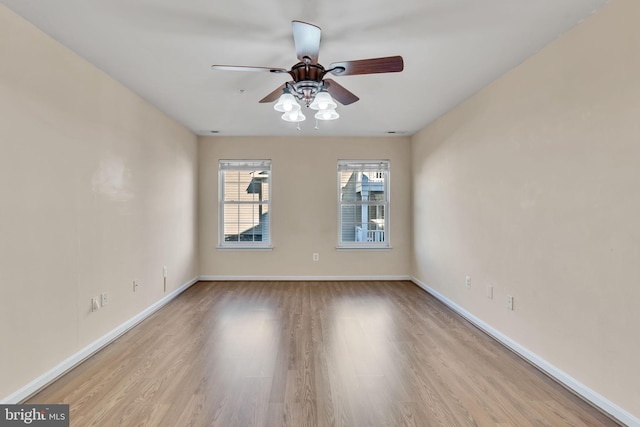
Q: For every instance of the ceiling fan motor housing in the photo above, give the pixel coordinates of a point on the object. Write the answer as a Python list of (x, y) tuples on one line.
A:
[(307, 80)]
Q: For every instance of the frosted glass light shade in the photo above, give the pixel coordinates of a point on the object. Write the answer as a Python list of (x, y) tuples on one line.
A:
[(323, 101), (286, 103), (329, 114), (295, 115)]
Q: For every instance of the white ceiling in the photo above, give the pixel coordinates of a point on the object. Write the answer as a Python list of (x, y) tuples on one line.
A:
[(163, 50)]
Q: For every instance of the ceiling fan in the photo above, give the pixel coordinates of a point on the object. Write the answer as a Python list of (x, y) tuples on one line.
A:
[(309, 76)]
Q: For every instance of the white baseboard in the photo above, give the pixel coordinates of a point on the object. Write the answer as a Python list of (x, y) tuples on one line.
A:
[(299, 278), (571, 383), (77, 358)]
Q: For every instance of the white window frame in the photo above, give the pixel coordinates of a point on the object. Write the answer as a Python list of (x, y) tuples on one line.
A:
[(385, 167), (248, 165)]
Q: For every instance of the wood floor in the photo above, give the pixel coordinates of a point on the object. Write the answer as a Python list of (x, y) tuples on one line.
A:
[(311, 354)]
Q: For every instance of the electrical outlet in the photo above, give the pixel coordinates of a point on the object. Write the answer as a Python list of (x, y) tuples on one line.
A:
[(468, 282), (490, 292), (164, 271), (135, 286), (509, 302), (104, 299), (316, 256), (94, 304)]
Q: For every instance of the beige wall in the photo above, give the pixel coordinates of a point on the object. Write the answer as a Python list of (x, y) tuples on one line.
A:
[(304, 207), (533, 186), (97, 188)]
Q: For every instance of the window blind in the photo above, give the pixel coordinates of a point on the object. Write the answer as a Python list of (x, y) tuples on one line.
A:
[(363, 199), (245, 203)]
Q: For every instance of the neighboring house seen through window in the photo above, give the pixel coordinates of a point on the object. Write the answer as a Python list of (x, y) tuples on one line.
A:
[(245, 201), (363, 191)]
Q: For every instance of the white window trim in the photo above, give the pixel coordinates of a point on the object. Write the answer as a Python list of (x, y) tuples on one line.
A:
[(343, 164), (248, 165)]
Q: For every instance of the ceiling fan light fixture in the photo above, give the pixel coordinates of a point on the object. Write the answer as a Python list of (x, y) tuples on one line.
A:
[(328, 114), (323, 101), (286, 103), (295, 115)]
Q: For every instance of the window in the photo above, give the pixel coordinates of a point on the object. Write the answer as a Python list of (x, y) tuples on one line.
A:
[(245, 202), (363, 191)]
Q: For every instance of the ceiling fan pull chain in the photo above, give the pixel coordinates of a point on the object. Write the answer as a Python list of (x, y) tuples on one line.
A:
[(317, 127)]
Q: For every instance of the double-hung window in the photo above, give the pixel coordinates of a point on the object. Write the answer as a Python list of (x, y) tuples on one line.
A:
[(245, 203), (363, 192)]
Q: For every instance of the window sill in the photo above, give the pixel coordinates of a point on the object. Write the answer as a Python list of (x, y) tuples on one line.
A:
[(244, 248), (364, 248)]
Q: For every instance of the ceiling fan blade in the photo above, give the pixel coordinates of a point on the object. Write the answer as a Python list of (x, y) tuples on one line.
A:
[(273, 95), (306, 38), (342, 95), (254, 69), (389, 64)]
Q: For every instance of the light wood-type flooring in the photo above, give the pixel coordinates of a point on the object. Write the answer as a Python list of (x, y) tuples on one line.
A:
[(311, 354)]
